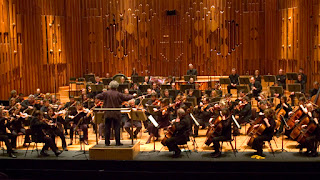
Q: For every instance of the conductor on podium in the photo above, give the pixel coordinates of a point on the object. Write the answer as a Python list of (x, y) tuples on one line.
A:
[(113, 99)]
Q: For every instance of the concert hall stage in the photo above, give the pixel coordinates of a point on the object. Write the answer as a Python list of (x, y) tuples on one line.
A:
[(160, 165)]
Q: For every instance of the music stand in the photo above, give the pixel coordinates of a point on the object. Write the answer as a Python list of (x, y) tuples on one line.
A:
[(137, 79), (224, 81), (88, 77), (122, 87), (106, 81), (215, 100), (282, 145), (269, 78), (295, 87), (245, 88), (81, 143), (193, 100), (276, 89), (184, 87), (150, 109), (133, 92), (188, 104), (292, 76), (165, 86), (96, 88), (143, 88), (136, 116), (187, 77), (173, 93), (196, 93), (244, 80), (154, 122), (195, 145)]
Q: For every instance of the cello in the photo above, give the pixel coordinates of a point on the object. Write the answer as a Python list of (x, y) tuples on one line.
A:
[(292, 119), (279, 113), (256, 131), (170, 131), (214, 129), (306, 132)]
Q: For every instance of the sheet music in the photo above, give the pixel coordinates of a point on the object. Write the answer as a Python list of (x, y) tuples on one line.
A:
[(154, 122), (194, 119)]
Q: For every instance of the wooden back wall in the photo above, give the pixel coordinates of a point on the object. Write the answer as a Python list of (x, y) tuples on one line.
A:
[(45, 42)]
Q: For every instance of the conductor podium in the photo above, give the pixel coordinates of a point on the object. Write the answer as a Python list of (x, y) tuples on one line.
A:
[(130, 148)]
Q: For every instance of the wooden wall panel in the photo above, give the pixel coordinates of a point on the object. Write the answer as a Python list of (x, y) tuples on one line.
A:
[(45, 42)]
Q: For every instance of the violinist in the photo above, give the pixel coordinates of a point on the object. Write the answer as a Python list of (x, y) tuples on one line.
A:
[(38, 125), (244, 113), (155, 89), (241, 95), (153, 101), (38, 94), (225, 133), (285, 106), (135, 87), (162, 118), (45, 107), (57, 130), (8, 138), (30, 104), (269, 122), (190, 93), (79, 121), (166, 94), (16, 126), (136, 124), (204, 114), (71, 103), (182, 126)]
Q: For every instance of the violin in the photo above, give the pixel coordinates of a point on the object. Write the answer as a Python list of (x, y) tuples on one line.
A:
[(157, 102)]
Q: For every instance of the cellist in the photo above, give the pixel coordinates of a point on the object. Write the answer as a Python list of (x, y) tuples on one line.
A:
[(225, 132), (269, 122)]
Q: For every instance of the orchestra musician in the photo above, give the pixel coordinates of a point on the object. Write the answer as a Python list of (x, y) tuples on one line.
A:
[(302, 106), (244, 113), (181, 134), (225, 133), (38, 127), (38, 94), (134, 72), (162, 118), (281, 79), (16, 126), (203, 116), (155, 88), (13, 94), (234, 78), (285, 106), (166, 94), (57, 130), (257, 76), (267, 134), (45, 107), (255, 87), (302, 83), (304, 77), (192, 71), (128, 124), (30, 104), (8, 138), (146, 80), (315, 89), (113, 99), (191, 82), (79, 121), (169, 80)]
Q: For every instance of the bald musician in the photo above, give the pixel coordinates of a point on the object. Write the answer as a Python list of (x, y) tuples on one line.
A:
[(192, 71)]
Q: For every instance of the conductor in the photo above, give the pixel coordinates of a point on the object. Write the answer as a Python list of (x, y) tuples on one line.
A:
[(113, 99)]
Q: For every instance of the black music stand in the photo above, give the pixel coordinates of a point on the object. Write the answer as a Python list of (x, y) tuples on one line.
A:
[(143, 88), (277, 90), (165, 86), (136, 116), (88, 77), (173, 93), (244, 80), (282, 145), (245, 88), (224, 81), (133, 92), (150, 109), (106, 81), (184, 87), (295, 87), (292, 76), (96, 88), (137, 79), (192, 100), (154, 122), (122, 87), (187, 77), (269, 78)]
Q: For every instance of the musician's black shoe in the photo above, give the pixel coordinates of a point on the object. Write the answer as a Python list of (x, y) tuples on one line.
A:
[(57, 153), (314, 154), (69, 144), (135, 136), (12, 155), (216, 154), (119, 144), (14, 152), (65, 149), (42, 153), (176, 154), (107, 144)]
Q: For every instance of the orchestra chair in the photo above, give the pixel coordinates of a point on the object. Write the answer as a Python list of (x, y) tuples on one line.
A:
[(34, 140), (230, 142)]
